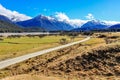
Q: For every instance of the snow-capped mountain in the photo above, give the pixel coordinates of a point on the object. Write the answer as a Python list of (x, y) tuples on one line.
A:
[(13, 15), (46, 23), (59, 21), (94, 24)]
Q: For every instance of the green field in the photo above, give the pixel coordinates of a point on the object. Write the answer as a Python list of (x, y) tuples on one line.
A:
[(12, 47)]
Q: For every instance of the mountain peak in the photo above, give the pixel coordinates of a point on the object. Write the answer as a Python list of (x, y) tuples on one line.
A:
[(45, 22), (94, 24), (43, 17), (95, 21)]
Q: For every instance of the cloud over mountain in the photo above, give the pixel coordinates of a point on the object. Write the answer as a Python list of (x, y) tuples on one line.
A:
[(74, 22), (13, 15), (90, 16), (79, 22), (60, 16), (111, 22)]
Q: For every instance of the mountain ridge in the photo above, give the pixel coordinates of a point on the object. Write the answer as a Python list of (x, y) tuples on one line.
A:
[(48, 23)]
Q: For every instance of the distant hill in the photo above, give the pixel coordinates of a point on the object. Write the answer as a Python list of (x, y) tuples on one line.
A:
[(46, 23), (6, 25), (4, 18), (9, 27), (92, 25), (114, 28), (117, 26)]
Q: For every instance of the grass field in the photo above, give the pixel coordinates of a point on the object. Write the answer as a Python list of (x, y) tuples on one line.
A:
[(55, 65), (12, 47), (62, 56)]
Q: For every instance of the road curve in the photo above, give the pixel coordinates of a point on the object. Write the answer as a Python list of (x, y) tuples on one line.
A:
[(9, 62)]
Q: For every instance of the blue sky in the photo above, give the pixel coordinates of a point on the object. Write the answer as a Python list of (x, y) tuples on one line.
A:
[(100, 9)]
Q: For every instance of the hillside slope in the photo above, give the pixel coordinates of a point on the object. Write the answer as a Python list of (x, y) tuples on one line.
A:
[(9, 27)]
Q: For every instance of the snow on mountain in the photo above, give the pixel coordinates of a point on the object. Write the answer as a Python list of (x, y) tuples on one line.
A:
[(46, 23), (13, 15), (94, 24), (77, 23), (58, 20)]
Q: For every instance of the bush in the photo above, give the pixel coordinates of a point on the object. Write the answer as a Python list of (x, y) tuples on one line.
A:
[(88, 33), (41, 36), (102, 36), (113, 37), (63, 41), (30, 35), (14, 36), (108, 41), (1, 39)]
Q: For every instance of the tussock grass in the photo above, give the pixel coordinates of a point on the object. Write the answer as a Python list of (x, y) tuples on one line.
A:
[(13, 47), (91, 60)]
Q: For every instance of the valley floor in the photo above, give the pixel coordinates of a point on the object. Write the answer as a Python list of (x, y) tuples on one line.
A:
[(96, 59), (13, 47)]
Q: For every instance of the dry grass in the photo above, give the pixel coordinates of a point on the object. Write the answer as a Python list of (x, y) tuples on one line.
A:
[(19, 46), (64, 63), (42, 77), (32, 77), (49, 59)]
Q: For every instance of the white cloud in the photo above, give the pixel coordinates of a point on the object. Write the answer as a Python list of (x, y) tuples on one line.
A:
[(16, 16), (90, 16), (75, 22), (78, 22), (111, 22), (61, 16), (13, 15)]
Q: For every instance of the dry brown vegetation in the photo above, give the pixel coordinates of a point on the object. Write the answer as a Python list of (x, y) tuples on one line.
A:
[(102, 61), (91, 60), (32, 77)]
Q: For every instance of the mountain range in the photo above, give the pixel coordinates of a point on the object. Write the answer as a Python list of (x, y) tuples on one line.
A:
[(92, 25), (47, 23)]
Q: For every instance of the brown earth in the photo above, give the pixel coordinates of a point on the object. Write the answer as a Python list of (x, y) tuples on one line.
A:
[(78, 62)]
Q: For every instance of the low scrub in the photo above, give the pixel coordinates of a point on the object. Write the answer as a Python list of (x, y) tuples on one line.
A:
[(103, 61)]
